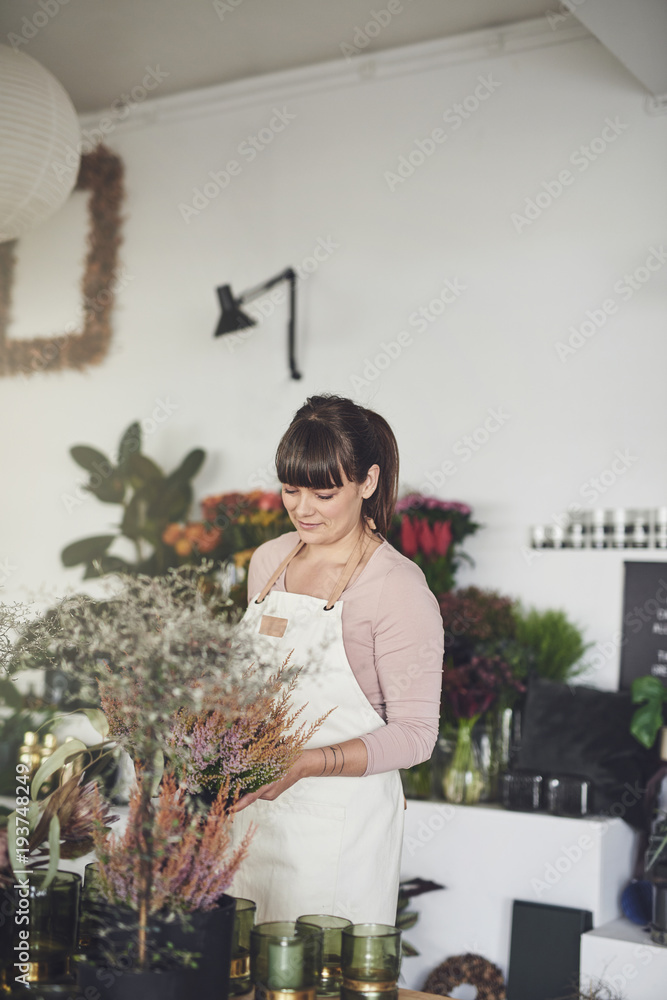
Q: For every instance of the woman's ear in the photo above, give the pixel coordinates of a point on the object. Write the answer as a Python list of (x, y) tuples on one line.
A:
[(370, 484)]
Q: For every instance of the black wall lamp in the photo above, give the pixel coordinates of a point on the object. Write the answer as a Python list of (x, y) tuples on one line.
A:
[(233, 318)]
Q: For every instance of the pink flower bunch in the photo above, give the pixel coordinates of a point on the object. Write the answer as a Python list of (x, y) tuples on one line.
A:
[(416, 501), (417, 535)]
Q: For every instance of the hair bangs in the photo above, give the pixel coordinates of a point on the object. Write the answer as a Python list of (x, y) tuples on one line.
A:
[(309, 456)]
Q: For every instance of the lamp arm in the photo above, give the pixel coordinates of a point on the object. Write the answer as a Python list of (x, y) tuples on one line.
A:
[(289, 274)]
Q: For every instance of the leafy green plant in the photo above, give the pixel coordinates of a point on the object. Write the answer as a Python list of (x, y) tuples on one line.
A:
[(150, 500), (553, 646), (650, 694)]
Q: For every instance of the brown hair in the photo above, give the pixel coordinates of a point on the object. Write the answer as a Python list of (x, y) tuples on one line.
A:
[(329, 434)]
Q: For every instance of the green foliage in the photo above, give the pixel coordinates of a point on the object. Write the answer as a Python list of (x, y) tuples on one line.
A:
[(149, 499), (553, 646), (650, 694)]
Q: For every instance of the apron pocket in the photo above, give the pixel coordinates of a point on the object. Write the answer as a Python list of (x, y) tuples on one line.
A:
[(292, 863)]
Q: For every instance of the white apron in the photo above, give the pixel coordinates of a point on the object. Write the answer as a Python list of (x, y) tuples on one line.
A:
[(330, 844)]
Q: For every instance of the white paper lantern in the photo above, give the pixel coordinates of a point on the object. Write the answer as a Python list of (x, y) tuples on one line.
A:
[(40, 142)]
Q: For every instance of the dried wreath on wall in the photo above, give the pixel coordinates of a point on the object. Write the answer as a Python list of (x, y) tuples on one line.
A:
[(101, 173)]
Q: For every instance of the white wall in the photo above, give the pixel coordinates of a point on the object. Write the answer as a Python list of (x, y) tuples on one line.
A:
[(323, 178)]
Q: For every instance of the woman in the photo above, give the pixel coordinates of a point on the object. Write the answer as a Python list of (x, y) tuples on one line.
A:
[(361, 621)]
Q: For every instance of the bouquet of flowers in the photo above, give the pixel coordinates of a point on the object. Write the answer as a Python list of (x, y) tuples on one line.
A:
[(430, 532), (232, 526)]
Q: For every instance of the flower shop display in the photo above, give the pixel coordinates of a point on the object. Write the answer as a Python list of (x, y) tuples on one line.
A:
[(470, 690), (431, 531), (232, 526), (492, 647), (156, 655), (149, 499)]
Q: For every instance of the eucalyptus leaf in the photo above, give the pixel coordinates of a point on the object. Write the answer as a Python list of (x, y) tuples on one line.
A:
[(98, 720), (58, 758), (54, 851)]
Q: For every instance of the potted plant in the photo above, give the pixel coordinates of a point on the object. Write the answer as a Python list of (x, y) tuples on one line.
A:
[(650, 695), (154, 654)]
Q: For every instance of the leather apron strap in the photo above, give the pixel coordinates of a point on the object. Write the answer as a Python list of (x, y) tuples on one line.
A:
[(355, 558)]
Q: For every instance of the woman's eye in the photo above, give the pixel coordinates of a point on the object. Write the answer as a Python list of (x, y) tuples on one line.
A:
[(324, 498)]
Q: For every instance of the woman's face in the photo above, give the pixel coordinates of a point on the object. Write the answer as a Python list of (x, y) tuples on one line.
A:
[(323, 516)]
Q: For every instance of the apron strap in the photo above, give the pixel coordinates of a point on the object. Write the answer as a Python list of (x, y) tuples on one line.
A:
[(297, 548), (356, 556)]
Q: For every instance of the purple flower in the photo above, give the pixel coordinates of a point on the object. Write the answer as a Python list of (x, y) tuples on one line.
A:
[(417, 501)]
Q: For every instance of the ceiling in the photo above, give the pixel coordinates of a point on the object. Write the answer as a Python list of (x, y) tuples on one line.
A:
[(100, 49)]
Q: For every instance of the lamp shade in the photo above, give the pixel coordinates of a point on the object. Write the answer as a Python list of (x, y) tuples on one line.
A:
[(40, 142)]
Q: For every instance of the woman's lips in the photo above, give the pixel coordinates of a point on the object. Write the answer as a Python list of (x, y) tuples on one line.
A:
[(302, 524)]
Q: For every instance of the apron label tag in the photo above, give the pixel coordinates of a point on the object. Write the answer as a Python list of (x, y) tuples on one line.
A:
[(270, 625)]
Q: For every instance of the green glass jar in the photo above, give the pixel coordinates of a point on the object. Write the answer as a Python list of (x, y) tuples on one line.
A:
[(239, 972), (332, 930), (285, 960), (370, 962), (44, 929)]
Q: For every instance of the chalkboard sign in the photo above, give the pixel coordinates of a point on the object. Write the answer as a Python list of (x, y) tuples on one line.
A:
[(644, 644)]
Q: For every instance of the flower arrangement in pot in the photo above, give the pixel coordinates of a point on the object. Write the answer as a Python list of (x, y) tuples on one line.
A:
[(233, 524), (160, 662), (493, 646), (481, 679), (430, 532)]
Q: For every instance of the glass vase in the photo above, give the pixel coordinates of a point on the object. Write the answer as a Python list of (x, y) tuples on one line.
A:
[(417, 781), (463, 782)]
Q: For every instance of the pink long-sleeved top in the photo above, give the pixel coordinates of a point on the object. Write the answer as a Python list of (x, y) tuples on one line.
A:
[(394, 640)]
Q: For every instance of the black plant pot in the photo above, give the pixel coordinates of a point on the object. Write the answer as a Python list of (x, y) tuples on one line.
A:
[(113, 984), (210, 936)]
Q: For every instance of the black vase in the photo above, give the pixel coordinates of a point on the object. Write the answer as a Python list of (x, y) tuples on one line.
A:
[(114, 984), (209, 935)]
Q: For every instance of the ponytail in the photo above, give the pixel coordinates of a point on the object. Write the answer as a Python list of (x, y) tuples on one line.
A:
[(380, 506)]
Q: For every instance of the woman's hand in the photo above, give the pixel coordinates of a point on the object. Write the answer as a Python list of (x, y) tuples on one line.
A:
[(301, 768), (348, 759)]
